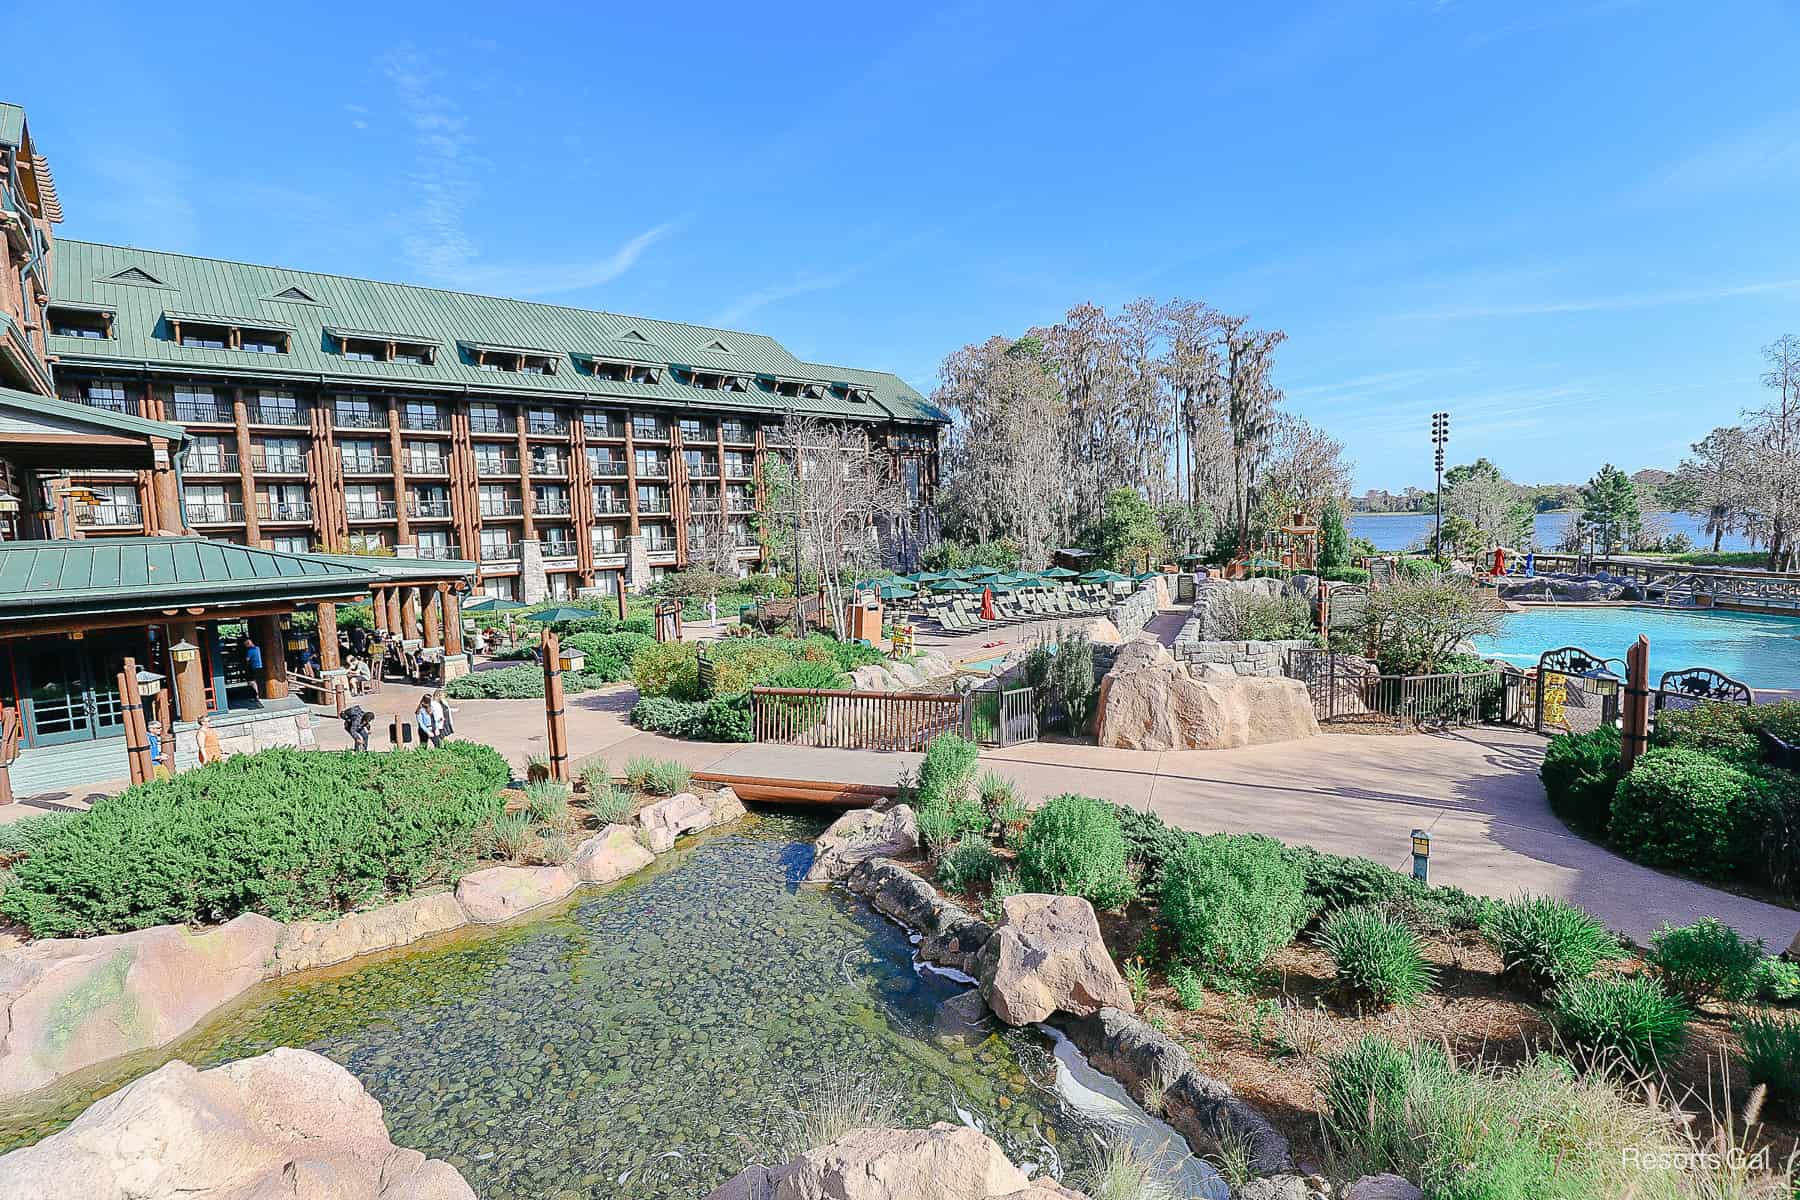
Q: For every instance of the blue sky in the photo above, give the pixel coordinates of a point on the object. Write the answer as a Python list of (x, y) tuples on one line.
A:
[(1571, 225)]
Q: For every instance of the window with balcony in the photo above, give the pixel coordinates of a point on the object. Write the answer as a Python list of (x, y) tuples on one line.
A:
[(497, 500), (549, 500), (367, 541), (497, 546), (429, 503), (358, 412), (649, 427), (80, 322), (735, 430), (562, 584), (365, 457), (367, 502), (275, 408), (700, 464), (434, 543), (504, 586), (488, 418), (210, 452), (704, 498), (738, 498), (696, 430), (545, 420), (600, 424), (200, 404), (422, 414), (739, 464), (605, 539), (556, 542), (604, 461), (549, 460), (610, 502), (740, 533), (279, 456), (284, 502), (108, 396), (659, 537), (115, 506), (212, 504), (290, 543), (426, 458), (652, 464), (491, 458), (652, 499)]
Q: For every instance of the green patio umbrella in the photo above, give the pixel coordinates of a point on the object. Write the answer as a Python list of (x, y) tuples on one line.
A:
[(955, 585), (490, 604), (1104, 576), (930, 577), (896, 591), (1141, 576), (550, 616), (1057, 573)]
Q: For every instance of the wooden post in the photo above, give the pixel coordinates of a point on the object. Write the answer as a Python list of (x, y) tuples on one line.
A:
[(189, 681), (1637, 702), (393, 612), (267, 633), (9, 717), (557, 733), (428, 597), (619, 592), (329, 659), (409, 613), (378, 606), (452, 616), (137, 728)]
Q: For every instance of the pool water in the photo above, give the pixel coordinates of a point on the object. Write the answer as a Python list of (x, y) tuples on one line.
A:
[(650, 1041), (1762, 651)]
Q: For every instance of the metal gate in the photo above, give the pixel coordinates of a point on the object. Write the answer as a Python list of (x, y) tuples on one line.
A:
[(1574, 692), (1018, 716)]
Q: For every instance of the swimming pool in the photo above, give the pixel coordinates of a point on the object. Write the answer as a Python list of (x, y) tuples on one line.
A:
[(1763, 651)]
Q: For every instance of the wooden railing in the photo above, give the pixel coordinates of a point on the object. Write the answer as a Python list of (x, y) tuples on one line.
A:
[(849, 720), (12, 726)]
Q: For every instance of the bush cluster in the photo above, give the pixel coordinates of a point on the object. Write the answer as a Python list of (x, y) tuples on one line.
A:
[(1546, 942), (1630, 1015), (1580, 773), (721, 719), (667, 669), (287, 833), (1074, 847), (971, 861), (1687, 809), (657, 776), (944, 797), (1233, 900), (1379, 959), (522, 682), (1706, 960), (1771, 1050)]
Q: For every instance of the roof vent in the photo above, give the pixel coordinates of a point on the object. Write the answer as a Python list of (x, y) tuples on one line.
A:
[(632, 335), (134, 275), (719, 347), (294, 294)]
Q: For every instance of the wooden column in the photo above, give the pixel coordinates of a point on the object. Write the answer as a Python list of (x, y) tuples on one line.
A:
[(169, 514), (240, 420), (452, 606), (329, 659), (190, 681), (393, 612), (556, 726), (1637, 703), (409, 612), (266, 630), (529, 531), (402, 522), (428, 601), (137, 726), (378, 605), (631, 527)]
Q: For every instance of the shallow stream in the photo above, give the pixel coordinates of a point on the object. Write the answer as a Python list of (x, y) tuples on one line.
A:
[(651, 1040)]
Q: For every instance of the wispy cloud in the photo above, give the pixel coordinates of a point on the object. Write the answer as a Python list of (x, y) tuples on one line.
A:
[(1608, 303), (446, 178), (1750, 156), (148, 197), (802, 285)]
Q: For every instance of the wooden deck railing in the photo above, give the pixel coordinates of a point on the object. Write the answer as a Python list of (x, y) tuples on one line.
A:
[(849, 720)]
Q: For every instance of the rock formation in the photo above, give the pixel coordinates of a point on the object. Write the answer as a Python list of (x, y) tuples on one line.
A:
[(860, 834), (611, 854), (288, 1123), (501, 893), (667, 820), (1152, 701), (1047, 956), (944, 1162)]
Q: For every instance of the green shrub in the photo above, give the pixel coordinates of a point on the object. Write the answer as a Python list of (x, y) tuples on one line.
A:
[(1005, 883), (971, 861), (288, 833), (1365, 1100), (1706, 959), (811, 675), (639, 623), (1770, 1043), (1345, 575), (1074, 847), (525, 681), (728, 719), (28, 833), (1150, 843), (1630, 1015), (596, 776), (943, 824), (1338, 881), (1246, 617), (667, 669), (1233, 900), (1775, 981), (1686, 809), (945, 772), (997, 792), (1378, 958), (638, 771), (1188, 988), (610, 805), (1546, 942), (665, 714), (512, 833), (548, 803), (667, 778), (1581, 771), (742, 663), (1726, 731), (1072, 679)]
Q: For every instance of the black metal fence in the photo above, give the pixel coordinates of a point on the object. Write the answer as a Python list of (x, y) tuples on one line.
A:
[(1347, 690)]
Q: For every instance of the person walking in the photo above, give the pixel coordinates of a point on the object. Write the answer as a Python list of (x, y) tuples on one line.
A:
[(426, 722), (712, 611), (357, 723), (441, 713), (159, 767), (207, 739), (253, 662)]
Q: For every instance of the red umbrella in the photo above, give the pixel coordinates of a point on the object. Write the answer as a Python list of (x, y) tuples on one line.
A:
[(987, 605)]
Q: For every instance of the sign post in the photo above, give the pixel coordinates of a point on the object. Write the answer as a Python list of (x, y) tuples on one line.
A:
[(557, 730)]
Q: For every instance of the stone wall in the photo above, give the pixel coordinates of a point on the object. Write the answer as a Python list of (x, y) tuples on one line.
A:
[(284, 722), (1264, 659), (1134, 612), (1210, 593)]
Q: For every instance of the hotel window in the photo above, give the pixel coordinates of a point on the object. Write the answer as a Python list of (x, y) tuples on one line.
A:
[(652, 499), (603, 424), (560, 588), (413, 356), (80, 323), (738, 431), (549, 460), (364, 457), (208, 453), (700, 464), (649, 426), (205, 337), (658, 537), (431, 501), (487, 418), (108, 396), (285, 502), (739, 465), (280, 454), (425, 458), (360, 351), (738, 498), (609, 500), (695, 430), (549, 499), (290, 544), (545, 420), (364, 502), (275, 408), (605, 539), (496, 544), (262, 341), (606, 583), (433, 543), (652, 464), (604, 460), (504, 586), (358, 412), (199, 404), (491, 459), (498, 500), (422, 414)]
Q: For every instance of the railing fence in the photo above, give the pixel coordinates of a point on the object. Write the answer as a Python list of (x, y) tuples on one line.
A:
[(852, 720)]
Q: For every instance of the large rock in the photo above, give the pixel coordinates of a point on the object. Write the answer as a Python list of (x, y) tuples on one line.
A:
[(611, 854), (724, 805), (873, 677), (289, 1123), (1047, 956), (1152, 701), (944, 1162), (948, 935), (667, 820), (1382, 1187), (1102, 632), (861, 834), (501, 893), (304, 945), (66, 1003)]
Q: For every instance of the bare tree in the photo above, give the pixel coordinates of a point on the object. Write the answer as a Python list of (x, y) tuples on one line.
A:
[(1718, 475), (1774, 435)]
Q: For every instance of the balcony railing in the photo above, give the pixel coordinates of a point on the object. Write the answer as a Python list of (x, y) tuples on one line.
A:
[(740, 434), (356, 418), (659, 545), (206, 412), (202, 513), (607, 549), (611, 506), (118, 404), (549, 426), (701, 505), (502, 508), (424, 420), (110, 516), (497, 464), (492, 552), (650, 433), (559, 548), (214, 462), (703, 470), (653, 470), (428, 509), (291, 510), (606, 430), (274, 414), (653, 508), (368, 464), (741, 503), (483, 423), (549, 468), (278, 464), (369, 510), (439, 551), (427, 465), (550, 506), (614, 467)]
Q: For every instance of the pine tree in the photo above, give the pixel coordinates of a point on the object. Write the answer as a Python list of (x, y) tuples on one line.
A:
[(1334, 539), (1609, 503)]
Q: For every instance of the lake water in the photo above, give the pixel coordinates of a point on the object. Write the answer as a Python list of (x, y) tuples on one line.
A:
[(651, 1040), (1397, 531), (1762, 651)]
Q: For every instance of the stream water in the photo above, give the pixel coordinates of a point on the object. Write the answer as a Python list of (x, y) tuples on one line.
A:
[(651, 1040)]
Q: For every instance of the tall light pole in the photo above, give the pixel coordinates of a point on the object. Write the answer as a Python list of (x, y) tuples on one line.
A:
[(1440, 433)]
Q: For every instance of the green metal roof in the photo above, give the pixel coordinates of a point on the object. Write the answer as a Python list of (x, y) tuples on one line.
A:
[(83, 271), (401, 570), (100, 419), (91, 576), (12, 125)]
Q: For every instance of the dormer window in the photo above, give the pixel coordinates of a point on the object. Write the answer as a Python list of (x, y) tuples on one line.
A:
[(855, 395), (715, 381), (614, 371), (80, 322), (198, 332), (511, 359), (364, 345), (206, 337)]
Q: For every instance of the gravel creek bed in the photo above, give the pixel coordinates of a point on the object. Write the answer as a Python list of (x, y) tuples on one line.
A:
[(643, 1042)]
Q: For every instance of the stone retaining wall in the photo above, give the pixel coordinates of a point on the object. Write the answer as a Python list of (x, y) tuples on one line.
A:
[(68, 1003), (1134, 612), (1265, 659)]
